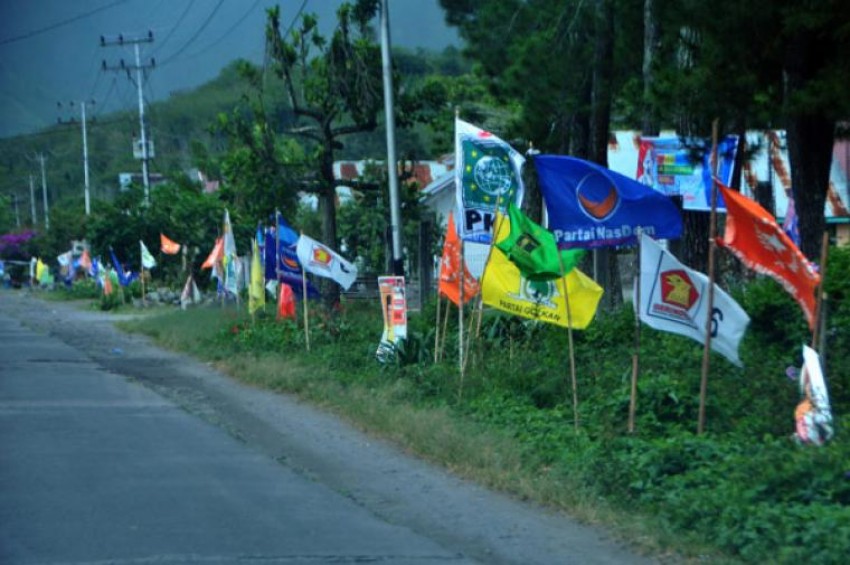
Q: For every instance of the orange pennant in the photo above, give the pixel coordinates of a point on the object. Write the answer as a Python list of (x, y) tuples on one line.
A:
[(168, 247), (216, 255), (450, 269)]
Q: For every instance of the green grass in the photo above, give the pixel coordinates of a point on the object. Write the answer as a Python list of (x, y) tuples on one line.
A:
[(741, 492)]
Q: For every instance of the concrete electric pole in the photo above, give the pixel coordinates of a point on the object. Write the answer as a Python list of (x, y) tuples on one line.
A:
[(146, 152), (86, 190), (392, 160), (32, 201), (41, 159)]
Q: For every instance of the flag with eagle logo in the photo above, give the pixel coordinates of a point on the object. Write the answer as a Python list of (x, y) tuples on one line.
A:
[(753, 235), (674, 298), (322, 261), (504, 287), (591, 206), (487, 178)]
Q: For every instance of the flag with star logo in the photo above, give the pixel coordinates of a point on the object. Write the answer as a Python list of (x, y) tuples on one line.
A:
[(753, 235), (322, 261), (673, 298), (487, 178)]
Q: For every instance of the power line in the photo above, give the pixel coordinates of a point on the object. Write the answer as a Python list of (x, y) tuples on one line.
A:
[(174, 28), (195, 36), (51, 27), (226, 33)]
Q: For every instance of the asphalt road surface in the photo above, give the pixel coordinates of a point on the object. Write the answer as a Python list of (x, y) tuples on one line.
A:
[(115, 451)]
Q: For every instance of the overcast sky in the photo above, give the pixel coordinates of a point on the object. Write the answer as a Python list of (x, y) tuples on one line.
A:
[(50, 49)]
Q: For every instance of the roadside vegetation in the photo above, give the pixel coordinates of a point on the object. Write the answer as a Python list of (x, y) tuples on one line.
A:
[(743, 491)]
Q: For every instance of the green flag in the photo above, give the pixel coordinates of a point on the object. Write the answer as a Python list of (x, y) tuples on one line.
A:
[(533, 250)]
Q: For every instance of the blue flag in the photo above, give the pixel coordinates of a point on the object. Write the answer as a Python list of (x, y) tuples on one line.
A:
[(591, 206), (288, 267), (286, 234), (124, 277)]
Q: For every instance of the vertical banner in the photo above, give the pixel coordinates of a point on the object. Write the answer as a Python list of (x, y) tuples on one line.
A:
[(394, 308), (487, 179), (683, 168)]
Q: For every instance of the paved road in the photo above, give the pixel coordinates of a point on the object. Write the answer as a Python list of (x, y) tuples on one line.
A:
[(113, 451)]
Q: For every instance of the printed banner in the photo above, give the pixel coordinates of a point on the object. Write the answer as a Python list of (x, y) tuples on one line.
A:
[(677, 167)]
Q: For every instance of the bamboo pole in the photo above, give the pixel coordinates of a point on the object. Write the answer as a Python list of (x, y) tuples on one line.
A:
[(306, 308), (437, 327), (636, 353), (461, 364), (445, 328), (706, 357), (570, 339)]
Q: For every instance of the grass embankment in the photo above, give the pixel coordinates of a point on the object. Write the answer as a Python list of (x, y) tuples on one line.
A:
[(743, 491)]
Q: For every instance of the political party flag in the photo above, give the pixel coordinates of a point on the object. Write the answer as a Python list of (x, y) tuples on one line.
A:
[(215, 256), (167, 246), (65, 259), (487, 177), (673, 298), (42, 272), (231, 264), (504, 287), (85, 261), (257, 288), (124, 277), (285, 233), (532, 248), (288, 269), (148, 262), (190, 294), (286, 303), (322, 261), (813, 414), (451, 269), (754, 237), (591, 206), (107, 283)]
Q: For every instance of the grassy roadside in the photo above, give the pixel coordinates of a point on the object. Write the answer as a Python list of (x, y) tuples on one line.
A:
[(742, 492)]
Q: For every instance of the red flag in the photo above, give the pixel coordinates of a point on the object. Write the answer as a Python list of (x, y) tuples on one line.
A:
[(450, 268), (168, 247), (285, 302), (85, 261), (753, 235), (216, 254)]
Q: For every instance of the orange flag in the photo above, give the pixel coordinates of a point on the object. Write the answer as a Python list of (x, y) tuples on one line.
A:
[(450, 268), (286, 302), (168, 247), (216, 255), (753, 235)]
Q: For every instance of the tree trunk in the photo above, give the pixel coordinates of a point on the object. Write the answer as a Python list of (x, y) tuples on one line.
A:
[(607, 265), (650, 126), (811, 136), (327, 210)]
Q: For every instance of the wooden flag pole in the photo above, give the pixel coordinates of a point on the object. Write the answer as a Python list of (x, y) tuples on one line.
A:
[(824, 251), (142, 278), (445, 328), (706, 357), (277, 246), (460, 325), (437, 327), (306, 308), (570, 339), (636, 353)]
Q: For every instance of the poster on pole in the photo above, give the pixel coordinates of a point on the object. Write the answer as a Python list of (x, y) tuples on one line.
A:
[(394, 308)]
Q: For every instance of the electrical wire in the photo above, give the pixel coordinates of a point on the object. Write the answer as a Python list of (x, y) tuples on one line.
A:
[(226, 33), (194, 37), (57, 25), (176, 26)]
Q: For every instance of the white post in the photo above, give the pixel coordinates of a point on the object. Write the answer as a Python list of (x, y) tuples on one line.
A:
[(85, 158)]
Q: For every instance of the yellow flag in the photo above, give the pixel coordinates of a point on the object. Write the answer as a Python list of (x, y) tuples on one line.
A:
[(257, 290), (503, 287)]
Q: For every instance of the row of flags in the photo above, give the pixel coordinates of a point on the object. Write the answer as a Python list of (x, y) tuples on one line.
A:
[(531, 271)]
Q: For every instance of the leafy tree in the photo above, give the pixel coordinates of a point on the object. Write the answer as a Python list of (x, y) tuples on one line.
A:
[(333, 88)]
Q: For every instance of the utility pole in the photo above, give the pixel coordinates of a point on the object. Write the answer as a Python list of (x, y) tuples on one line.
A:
[(41, 159), (392, 160), (86, 192), (146, 152), (17, 212), (32, 202)]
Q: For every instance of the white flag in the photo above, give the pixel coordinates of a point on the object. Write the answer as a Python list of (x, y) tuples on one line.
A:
[(148, 262), (674, 298), (321, 260)]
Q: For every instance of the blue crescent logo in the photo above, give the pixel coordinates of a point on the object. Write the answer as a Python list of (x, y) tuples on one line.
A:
[(597, 196)]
